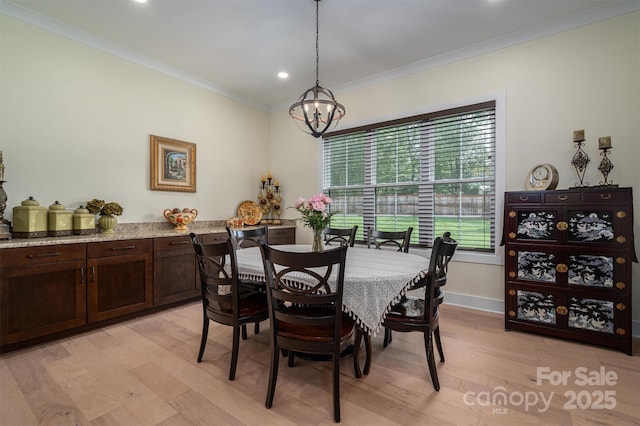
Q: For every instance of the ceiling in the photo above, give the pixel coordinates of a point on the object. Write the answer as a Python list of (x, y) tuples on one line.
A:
[(237, 47)]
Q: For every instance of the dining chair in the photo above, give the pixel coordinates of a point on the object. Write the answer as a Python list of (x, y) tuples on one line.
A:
[(305, 311), (422, 313), (223, 299), (250, 238), (345, 236), (383, 240), (389, 239)]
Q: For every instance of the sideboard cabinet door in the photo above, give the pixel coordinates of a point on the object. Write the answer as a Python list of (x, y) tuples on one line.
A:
[(120, 278), (42, 291), (175, 276)]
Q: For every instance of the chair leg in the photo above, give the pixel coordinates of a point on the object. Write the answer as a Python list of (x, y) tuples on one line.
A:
[(436, 335), (256, 328), (428, 345), (234, 352), (336, 386), (244, 331), (356, 352), (291, 357), (273, 376), (367, 349), (387, 337), (203, 340)]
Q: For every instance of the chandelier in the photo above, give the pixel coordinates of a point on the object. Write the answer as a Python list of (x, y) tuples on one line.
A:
[(317, 107)]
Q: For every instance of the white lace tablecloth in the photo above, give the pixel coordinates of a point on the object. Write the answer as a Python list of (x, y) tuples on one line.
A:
[(374, 279)]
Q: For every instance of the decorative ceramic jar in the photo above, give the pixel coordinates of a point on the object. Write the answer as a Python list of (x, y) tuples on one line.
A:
[(108, 223), (60, 220), (29, 220), (84, 222), (235, 223), (181, 219)]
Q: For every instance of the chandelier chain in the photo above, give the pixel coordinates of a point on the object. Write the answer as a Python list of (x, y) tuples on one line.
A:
[(317, 44)]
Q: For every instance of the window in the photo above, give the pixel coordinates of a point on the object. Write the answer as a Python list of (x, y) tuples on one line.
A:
[(435, 172)]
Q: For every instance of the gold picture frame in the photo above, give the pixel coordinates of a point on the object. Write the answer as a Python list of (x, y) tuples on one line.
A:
[(173, 165)]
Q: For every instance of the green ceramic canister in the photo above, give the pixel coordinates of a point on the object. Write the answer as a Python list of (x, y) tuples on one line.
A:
[(29, 219), (60, 220)]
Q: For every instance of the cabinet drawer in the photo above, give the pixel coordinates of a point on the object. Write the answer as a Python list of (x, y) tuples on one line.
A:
[(210, 238), (40, 255), (606, 196), (172, 243), (562, 197), (282, 236), (522, 197), (119, 248)]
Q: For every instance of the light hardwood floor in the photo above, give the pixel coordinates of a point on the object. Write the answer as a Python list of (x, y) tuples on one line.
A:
[(144, 372)]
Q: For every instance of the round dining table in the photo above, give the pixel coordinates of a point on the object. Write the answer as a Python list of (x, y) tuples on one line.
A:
[(374, 279)]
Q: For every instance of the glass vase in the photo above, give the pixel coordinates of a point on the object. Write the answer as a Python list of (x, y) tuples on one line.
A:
[(317, 240)]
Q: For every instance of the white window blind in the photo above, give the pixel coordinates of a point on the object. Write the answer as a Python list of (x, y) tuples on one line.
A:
[(434, 172)]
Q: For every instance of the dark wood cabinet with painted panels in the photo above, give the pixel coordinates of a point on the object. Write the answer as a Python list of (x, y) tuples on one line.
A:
[(568, 264)]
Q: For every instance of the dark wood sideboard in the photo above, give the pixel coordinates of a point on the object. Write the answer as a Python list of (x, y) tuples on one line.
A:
[(52, 291)]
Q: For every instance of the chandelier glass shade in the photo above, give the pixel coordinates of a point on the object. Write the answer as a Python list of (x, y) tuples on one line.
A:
[(317, 110)]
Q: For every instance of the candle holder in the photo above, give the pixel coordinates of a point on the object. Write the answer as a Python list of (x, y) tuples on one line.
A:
[(270, 200), (605, 167), (580, 161), (5, 225)]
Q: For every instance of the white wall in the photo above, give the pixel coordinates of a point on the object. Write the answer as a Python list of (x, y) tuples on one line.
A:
[(587, 78), (75, 125)]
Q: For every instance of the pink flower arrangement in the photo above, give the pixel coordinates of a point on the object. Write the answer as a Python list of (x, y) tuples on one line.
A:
[(315, 211)]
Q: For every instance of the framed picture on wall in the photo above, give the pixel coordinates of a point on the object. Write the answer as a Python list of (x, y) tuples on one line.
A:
[(173, 165)]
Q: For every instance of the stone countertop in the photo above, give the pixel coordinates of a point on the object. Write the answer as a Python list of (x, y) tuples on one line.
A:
[(129, 231)]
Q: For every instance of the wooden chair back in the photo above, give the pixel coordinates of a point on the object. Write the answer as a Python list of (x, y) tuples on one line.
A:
[(389, 239), (345, 236), (249, 237), (219, 284)]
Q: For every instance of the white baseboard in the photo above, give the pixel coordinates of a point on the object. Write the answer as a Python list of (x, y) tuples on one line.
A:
[(497, 306)]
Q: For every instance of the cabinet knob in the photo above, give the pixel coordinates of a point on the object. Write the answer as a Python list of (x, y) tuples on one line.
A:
[(512, 274), (512, 253), (621, 214), (512, 214), (512, 314), (620, 331), (562, 310), (512, 235), (620, 285), (620, 260), (562, 268), (562, 226), (512, 292), (621, 239), (621, 306)]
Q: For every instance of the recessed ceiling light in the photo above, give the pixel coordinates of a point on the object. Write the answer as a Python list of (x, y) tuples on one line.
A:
[(140, 1), (283, 75)]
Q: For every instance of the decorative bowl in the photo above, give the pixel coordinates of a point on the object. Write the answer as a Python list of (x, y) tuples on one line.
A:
[(181, 218), (235, 223)]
